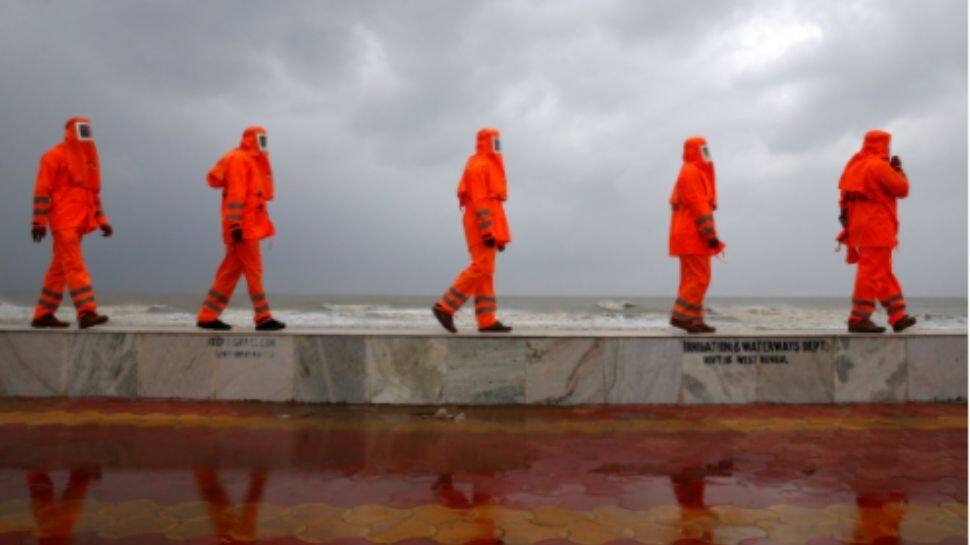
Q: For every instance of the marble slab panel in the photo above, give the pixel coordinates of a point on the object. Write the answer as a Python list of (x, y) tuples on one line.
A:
[(331, 369), (567, 371), (937, 368), (870, 369), (33, 363), (102, 365), (644, 371), (405, 370), (804, 373), (258, 367), (714, 373), (485, 371), (177, 366)]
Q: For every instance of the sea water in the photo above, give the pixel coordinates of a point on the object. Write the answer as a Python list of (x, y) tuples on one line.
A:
[(524, 313)]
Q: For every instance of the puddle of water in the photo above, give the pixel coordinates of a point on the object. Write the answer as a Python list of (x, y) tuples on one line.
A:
[(147, 473)]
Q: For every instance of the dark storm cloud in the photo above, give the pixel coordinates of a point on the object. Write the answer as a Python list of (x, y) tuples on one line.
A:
[(372, 109)]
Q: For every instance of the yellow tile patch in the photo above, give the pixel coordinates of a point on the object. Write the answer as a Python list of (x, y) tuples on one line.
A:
[(318, 522)]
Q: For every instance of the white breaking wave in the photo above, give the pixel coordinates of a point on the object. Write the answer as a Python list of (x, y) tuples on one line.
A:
[(608, 315)]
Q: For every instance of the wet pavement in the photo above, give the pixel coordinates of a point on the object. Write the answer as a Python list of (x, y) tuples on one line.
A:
[(190, 473)]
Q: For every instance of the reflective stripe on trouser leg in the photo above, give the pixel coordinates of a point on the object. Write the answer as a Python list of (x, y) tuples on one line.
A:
[(227, 275), (875, 281), (471, 280), (452, 300), (478, 279), (485, 304), (52, 293), (695, 277), (252, 267), (67, 250)]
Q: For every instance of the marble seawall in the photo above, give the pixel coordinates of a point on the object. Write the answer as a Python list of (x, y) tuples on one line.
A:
[(428, 368)]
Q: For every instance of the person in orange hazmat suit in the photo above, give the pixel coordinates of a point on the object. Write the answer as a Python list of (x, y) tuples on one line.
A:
[(481, 192), (693, 237), (869, 188), (246, 179), (67, 198)]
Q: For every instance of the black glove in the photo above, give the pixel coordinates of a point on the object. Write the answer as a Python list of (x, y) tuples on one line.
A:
[(501, 247), (38, 233), (489, 241), (713, 243), (896, 162), (236, 234), (106, 230), (844, 217)]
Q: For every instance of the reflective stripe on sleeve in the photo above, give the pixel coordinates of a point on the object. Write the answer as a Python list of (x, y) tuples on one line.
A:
[(235, 206), (707, 230), (483, 212), (234, 217), (42, 200), (485, 224), (40, 211), (704, 219)]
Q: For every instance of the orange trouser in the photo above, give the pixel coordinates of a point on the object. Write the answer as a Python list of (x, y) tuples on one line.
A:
[(477, 280), (67, 267), (874, 279), (241, 258), (695, 276)]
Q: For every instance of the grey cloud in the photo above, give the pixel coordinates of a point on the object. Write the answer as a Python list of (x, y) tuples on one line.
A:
[(372, 109)]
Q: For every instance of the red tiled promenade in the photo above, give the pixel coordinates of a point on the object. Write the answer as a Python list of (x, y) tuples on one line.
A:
[(191, 473)]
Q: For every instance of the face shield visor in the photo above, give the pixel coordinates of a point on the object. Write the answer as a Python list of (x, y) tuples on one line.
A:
[(262, 141), (84, 131), (706, 154)]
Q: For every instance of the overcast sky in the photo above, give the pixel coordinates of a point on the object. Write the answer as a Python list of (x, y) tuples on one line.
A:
[(372, 108)]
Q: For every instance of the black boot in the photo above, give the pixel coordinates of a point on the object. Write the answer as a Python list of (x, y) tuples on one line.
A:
[(497, 327), (48, 320), (865, 326), (270, 324), (89, 318), (904, 323), (446, 319), (216, 325)]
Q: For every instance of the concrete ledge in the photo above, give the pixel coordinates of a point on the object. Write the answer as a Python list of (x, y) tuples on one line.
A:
[(415, 367)]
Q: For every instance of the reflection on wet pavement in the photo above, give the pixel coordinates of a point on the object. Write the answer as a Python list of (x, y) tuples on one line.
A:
[(191, 473)]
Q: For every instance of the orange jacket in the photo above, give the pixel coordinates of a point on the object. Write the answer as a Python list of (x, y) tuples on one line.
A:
[(693, 202), (68, 187), (483, 189), (868, 191), (246, 180)]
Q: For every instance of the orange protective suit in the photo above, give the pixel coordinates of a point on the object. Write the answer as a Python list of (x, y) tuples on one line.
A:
[(869, 188), (67, 199), (692, 229), (246, 180), (481, 192)]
